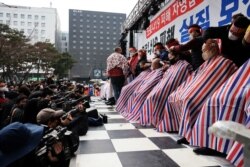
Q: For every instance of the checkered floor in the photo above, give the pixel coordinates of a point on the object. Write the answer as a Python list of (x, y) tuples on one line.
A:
[(126, 144)]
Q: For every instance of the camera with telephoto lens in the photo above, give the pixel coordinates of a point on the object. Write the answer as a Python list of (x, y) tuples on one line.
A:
[(67, 106), (70, 143)]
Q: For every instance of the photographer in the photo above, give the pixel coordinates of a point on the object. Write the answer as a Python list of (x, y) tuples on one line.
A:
[(66, 145), (18, 142)]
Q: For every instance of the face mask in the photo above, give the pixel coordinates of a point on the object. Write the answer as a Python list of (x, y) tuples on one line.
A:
[(232, 37), (157, 53), (205, 55), (131, 53)]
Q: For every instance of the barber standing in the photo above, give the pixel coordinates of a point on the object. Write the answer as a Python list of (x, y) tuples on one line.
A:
[(117, 68)]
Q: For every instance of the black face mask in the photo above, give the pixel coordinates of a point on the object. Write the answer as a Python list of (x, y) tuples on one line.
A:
[(172, 61)]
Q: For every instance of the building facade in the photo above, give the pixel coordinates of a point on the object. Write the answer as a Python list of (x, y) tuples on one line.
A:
[(64, 42), (38, 24), (92, 38)]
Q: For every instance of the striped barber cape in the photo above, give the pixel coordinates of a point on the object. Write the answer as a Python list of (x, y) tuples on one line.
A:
[(189, 101), (227, 103), (235, 155), (128, 90), (172, 114), (137, 99), (153, 107)]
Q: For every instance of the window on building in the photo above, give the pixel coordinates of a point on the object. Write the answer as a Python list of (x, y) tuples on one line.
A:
[(36, 31), (74, 41), (94, 15), (43, 17), (107, 32), (74, 19), (29, 24), (88, 26), (107, 48), (8, 22), (36, 37), (74, 47), (81, 47), (114, 43), (81, 42), (88, 31), (29, 16), (94, 37), (64, 38), (114, 17), (81, 20), (94, 42), (101, 48), (80, 58), (22, 30), (81, 36), (36, 17), (94, 47), (1, 21), (114, 33), (107, 43), (94, 26), (74, 25), (36, 24), (87, 21), (29, 31), (42, 24), (43, 32), (81, 25), (74, 36), (65, 44), (1, 14), (107, 38), (101, 32), (108, 22), (81, 31), (88, 42), (74, 30), (108, 17), (15, 23), (88, 37), (101, 27), (87, 47), (114, 22), (88, 15), (7, 14), (94, 32), (101, 21), (101, 43), (22, 23), (22, 16), (101, 16), (120, 17), (94, 21), (15, 15)]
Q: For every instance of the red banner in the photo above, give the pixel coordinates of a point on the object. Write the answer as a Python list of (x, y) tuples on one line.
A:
[(175, 10)]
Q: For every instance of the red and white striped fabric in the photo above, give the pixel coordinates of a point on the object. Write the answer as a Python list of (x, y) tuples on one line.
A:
[(212, 74), (137, 99), (153, 107), (235, 155), (128, 90), (227, 103)]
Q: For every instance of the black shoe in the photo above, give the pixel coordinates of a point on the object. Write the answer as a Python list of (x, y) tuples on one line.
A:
[(110, 103), (208, 151), (182, 140)]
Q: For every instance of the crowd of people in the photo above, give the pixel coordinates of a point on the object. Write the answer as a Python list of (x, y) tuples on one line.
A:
[(185, 88), (40, 122)]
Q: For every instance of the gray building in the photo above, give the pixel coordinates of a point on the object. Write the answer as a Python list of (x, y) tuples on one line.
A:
[(64, 42), (92, 38)]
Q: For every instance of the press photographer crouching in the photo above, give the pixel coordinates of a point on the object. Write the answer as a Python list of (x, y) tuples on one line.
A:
[(61, 132)]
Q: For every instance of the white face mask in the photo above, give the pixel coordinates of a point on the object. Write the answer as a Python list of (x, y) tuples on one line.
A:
[(157, 53), (232, 37)]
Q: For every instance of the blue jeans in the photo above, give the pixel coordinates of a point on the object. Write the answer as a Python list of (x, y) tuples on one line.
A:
[(117, 84)]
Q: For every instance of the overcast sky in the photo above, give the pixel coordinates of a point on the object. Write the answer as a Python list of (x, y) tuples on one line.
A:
[(63, 6)]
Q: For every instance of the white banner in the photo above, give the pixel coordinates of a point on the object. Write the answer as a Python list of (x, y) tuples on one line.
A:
[(174, 19)]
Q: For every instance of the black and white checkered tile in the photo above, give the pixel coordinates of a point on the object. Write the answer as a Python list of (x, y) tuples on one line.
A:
[(120, 143)]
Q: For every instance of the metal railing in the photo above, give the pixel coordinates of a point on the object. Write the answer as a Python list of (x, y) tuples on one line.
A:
[(137, 12)]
